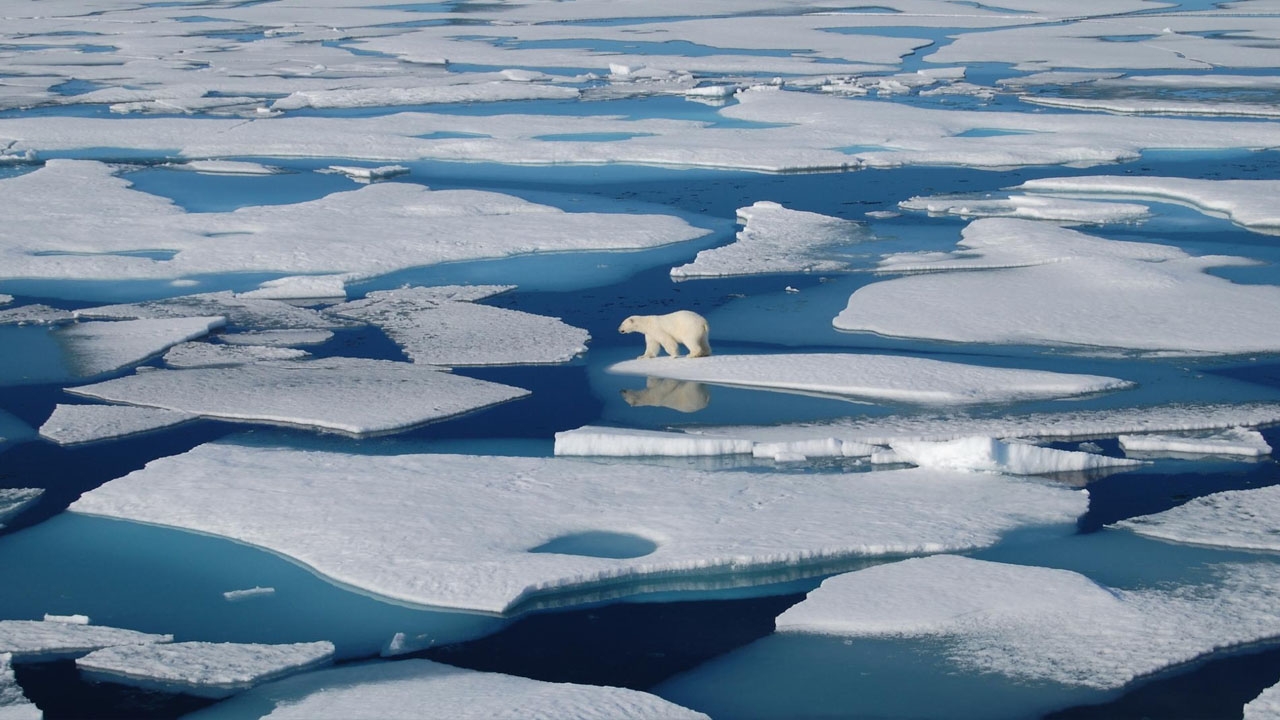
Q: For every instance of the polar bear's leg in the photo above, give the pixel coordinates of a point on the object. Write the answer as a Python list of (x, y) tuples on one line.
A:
[(651, 347), (670, 344)]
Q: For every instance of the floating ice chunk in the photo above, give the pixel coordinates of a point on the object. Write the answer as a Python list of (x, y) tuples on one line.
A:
[(992, 455), (35, 315), (42, 641), (226, 167), (370, 174), (774, 239), (95, 348), (1029, 207), (1264, 707), (13, 704), (14, 500), (424, 690), (204, 669), (277, 338), (1232, 441), (348, 395), (1249, 203), (435, 328), (301, 287), (619, 442), (476, 519), (1097, 293), (422, 94), (1235, 518), (204, 354), (74, 619), (1038, 624), (73, 424), (5, 299), (239, 310), (881, 377), (817, 447), (1164, 106), (248, 594)]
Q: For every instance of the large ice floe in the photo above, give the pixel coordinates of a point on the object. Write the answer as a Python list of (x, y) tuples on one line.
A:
[(74, 424), (1234, 519), (890, 378), (425, 690), (14, 500), (202, 668), (501, 533), (96, 348), (61, 639), (774, 239), (13, 704), (1008, 276), (1042, 624), (445, 326), (355, 396)]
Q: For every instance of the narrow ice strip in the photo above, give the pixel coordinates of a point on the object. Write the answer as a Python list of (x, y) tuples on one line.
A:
[(35, 315), (591, 441), (878, 377), (1139, 106), (301, 287), (205, 354), (47, 640), (477, 520), (13, 704), (1040, 624), (1249, 203), (348, 395), (239, 310), (1247, 519), (991, 455), (775, 239), (425, 690), (277, 338), (1232, 441), (248, 593), (370, 174), (95, 348), (226, 167), (204, 669), (1039, 284), (74, 424), (423, 94), (14, 500), (1029, 207), (435, 328), (1264, 707)]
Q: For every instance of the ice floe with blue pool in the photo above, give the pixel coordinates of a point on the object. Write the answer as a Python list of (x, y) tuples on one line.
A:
[(277, 338), (1234, 442), (422, 690), (204, 669), (96, 348), (443, 326), (205, 354), (61, 639), (992, 455), (14, 500), (884, 378), (1264, 707), (355, 396), (775, 239), (477, 520), (1233, 519), (1028, 207), (13, 704), (249, 312), (1248, 203), (74, 424), (1008, 275)]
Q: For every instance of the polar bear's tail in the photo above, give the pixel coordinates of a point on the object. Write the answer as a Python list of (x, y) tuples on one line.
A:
[(704, 344)]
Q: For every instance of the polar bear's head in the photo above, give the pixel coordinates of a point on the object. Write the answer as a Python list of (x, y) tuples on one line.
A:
[(629, 325)]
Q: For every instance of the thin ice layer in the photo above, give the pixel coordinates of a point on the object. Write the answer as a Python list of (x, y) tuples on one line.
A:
[(204, 669), (456, 531), (879, 377), (74, 424), (1235, 518), (1036, 624), (45, 640), (348, 395)]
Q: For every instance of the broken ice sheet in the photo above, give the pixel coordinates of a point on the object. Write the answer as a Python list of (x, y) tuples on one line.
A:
[(992, 455), (74, 424), (205, 354), (1264, 707), (13, 704), (14, 500), (476, 520), (1232, 519), (48, 640), (96, 348), (239, 310), (1237, 442)]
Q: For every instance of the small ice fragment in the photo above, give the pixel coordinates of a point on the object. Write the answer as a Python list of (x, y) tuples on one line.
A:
[(250, 593), (366, 174), (74, 619), (1233, 441)]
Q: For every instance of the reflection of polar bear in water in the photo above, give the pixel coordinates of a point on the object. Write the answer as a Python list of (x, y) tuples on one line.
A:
[(669, 332), (664, 392)]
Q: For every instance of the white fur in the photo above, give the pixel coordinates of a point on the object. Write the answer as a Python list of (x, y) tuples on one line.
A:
[(668, 332)]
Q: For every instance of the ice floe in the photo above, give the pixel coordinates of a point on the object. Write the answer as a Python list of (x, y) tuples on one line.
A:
[(35, 315), (95, 348), (14, 500), (13, 704), (877, 377), (1033, 623), (441, 326), (425, 690), (1029, 207), (592, 441), (204, 669), (205, 354), (226, 167), (301, 287), (73, 424), (1264, 707), (477, 520), (1235, 518), (47, 640), (992, 455), (1100, 293), (250, 312), (775, 239), (370, 174), (348, 395), (1232, 441), (248, 593), (277, 338)]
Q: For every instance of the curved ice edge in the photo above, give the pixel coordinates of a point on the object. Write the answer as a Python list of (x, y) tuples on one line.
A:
[(216, 691)]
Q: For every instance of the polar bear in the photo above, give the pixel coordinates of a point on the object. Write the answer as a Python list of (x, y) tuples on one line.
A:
[(669, 332)]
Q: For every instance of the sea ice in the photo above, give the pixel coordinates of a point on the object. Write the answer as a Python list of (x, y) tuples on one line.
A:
[(992, 455), (423, 690), (595, 441), (370, 174), (204, 669), (277, 338), (301, 287), (1234, 518), (13, 704), (15, 500), (239, 310), (888, 378), (1058, 286), (73, 424), (1029, 207), (35, 315), (775, 239), (356, 396), (1038, 624), (248, 593), (5, 299), (205, 354), (1232, 441), (95, 348), (43, 640), (457, 531), (226, 167), (441, 326), (1264, 707)]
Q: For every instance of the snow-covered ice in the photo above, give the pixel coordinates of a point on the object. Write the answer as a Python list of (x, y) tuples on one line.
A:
[(248, 593), (95, 348), (349, 395), (74, 424), (13, 704), (1234, 518), (456, 531), (775, 239), (206, 354), (992, 455), (35, 315), (1029, 207), (1007, 276), (594, 441), (46, 640), (1033, 623), (239, 310), (15, 500), (1264, 707), (888, 378), (226, 167), (442, 326), (369, 174), (203, 669), (1232, 441), (277, 338), (425, 690), (302, 287)]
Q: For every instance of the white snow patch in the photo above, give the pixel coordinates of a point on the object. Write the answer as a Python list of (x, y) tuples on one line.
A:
[(1235, 518), (205, 354), (204, 669), (1232, 441), (95, 348), (991, 455), (74, 619), (13, 704), (42, 641), (15, 500), (73, 424), (5, 299)]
